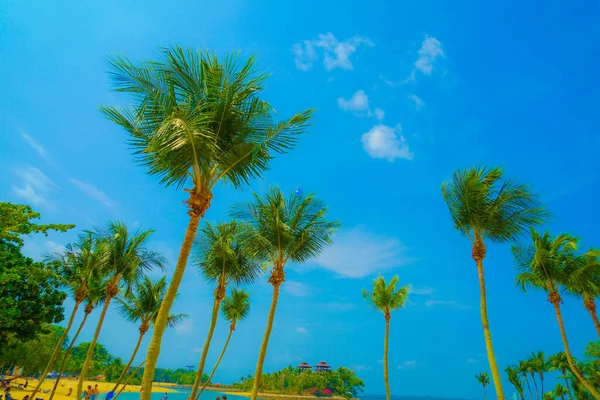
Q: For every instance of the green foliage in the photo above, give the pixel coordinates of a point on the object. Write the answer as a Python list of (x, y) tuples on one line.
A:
[(15, 221), (236, 306), (342, 382), (33, 355), (485, 205), (386, 297), (483, 378), (179, 376), (198, 117), (280, 230), (515, 379)]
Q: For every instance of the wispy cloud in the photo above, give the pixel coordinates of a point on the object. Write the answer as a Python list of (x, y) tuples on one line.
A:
[(359, 368), (34, 186), (429, 52), (185, 327), (421, 290), (447, 303), (359, 105), (357, 253), (36, 146), (336, 53), (419, 103), (385, 142), (197, 350), (472, 361), (302, 330), (54, 247), (379, 114), (407, 364), (295, 288), (92, 191)]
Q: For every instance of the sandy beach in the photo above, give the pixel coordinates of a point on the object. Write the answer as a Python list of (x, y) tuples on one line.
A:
[(65, 384)]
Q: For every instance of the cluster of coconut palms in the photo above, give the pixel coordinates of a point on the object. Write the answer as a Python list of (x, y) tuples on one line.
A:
[(487, 207)]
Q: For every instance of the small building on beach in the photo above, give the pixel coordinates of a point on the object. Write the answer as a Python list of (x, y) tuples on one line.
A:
[(322, 366), (304, 366)]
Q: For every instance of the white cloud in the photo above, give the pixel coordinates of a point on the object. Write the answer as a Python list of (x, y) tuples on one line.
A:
[(54, 247), (185, 327), (197, 350), (295, 288), (379, 114), (36, 146), (357, 253), (423, 290), (92, 191), (419, 103), (358, 102), (359, 368), (472, 361), (302, 330), (407, 364), (387, 143), (431, 48), (336, 54), (447, 303), (34, 185)]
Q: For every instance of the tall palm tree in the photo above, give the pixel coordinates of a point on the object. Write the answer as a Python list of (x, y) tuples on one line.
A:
[(281, 230), (543, 265), (525, 369), (76, 266), (94, 298), (515, 379), (386, 298), (559, 362), (235, 308), (125, 259), (486, 207), (222, 259), (539, 366), (197, 120), (484, 380), (584, 282), (560, 391), (141, 306)]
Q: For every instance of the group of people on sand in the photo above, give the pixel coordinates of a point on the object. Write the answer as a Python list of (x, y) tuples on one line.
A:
[(91, 393)]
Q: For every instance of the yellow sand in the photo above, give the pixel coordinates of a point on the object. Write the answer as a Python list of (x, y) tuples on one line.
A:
[(65, 384)]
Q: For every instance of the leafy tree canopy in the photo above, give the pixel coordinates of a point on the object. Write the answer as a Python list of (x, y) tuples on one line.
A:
[(15, 221)]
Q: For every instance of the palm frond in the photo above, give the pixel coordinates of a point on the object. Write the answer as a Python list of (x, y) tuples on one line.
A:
[(236, 306), (386, 297)]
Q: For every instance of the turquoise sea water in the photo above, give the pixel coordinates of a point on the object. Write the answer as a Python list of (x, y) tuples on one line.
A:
[(209, 395)]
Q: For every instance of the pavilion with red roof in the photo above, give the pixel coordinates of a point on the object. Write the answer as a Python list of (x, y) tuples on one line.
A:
[(304, 366), (322, 366)]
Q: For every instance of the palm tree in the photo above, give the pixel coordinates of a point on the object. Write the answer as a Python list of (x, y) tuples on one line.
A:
[(515, 379), (525, 368), (199, 121), (235, 308), (142, 306), (487, 207), (125, 259), (584, 282), (484, 379), (280, 230), (222, 259), (95, 297), (76, 267), (386, 298), (539, 365), (560, 391), (559, 362), (543, 265)]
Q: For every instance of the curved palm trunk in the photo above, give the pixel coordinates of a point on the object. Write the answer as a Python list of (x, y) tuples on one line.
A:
[(484, 393), (129, 378), (537, 390), (265, 342), (135, 350), (165, 308), (574, 368), (90, 353), (567, 385), (486, 329), (216, 364), (590, 306), (211, 331), (528, 386), (66, 357), (385, 356), (56, 349)]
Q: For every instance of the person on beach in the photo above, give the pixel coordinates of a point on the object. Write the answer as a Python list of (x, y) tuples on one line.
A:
[(26, 397), (70, 391), (26, 384), (7, 394), (165, 397), (88, 393)]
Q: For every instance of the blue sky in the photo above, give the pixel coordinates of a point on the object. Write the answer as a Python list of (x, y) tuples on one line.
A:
[(406, 93)]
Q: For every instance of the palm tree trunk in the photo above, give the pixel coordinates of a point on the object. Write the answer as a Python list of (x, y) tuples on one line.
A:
[(265, 342), (56, 350), (568, 386), (135, 350), (542, 380), (65, 358), (528, 386), (486, 331), (484, 393), (216, 364), (574, 368), (537, 391), (385, 356), (590, 305), (90, 353), (211, 331), (129, 378), (165, 308)]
